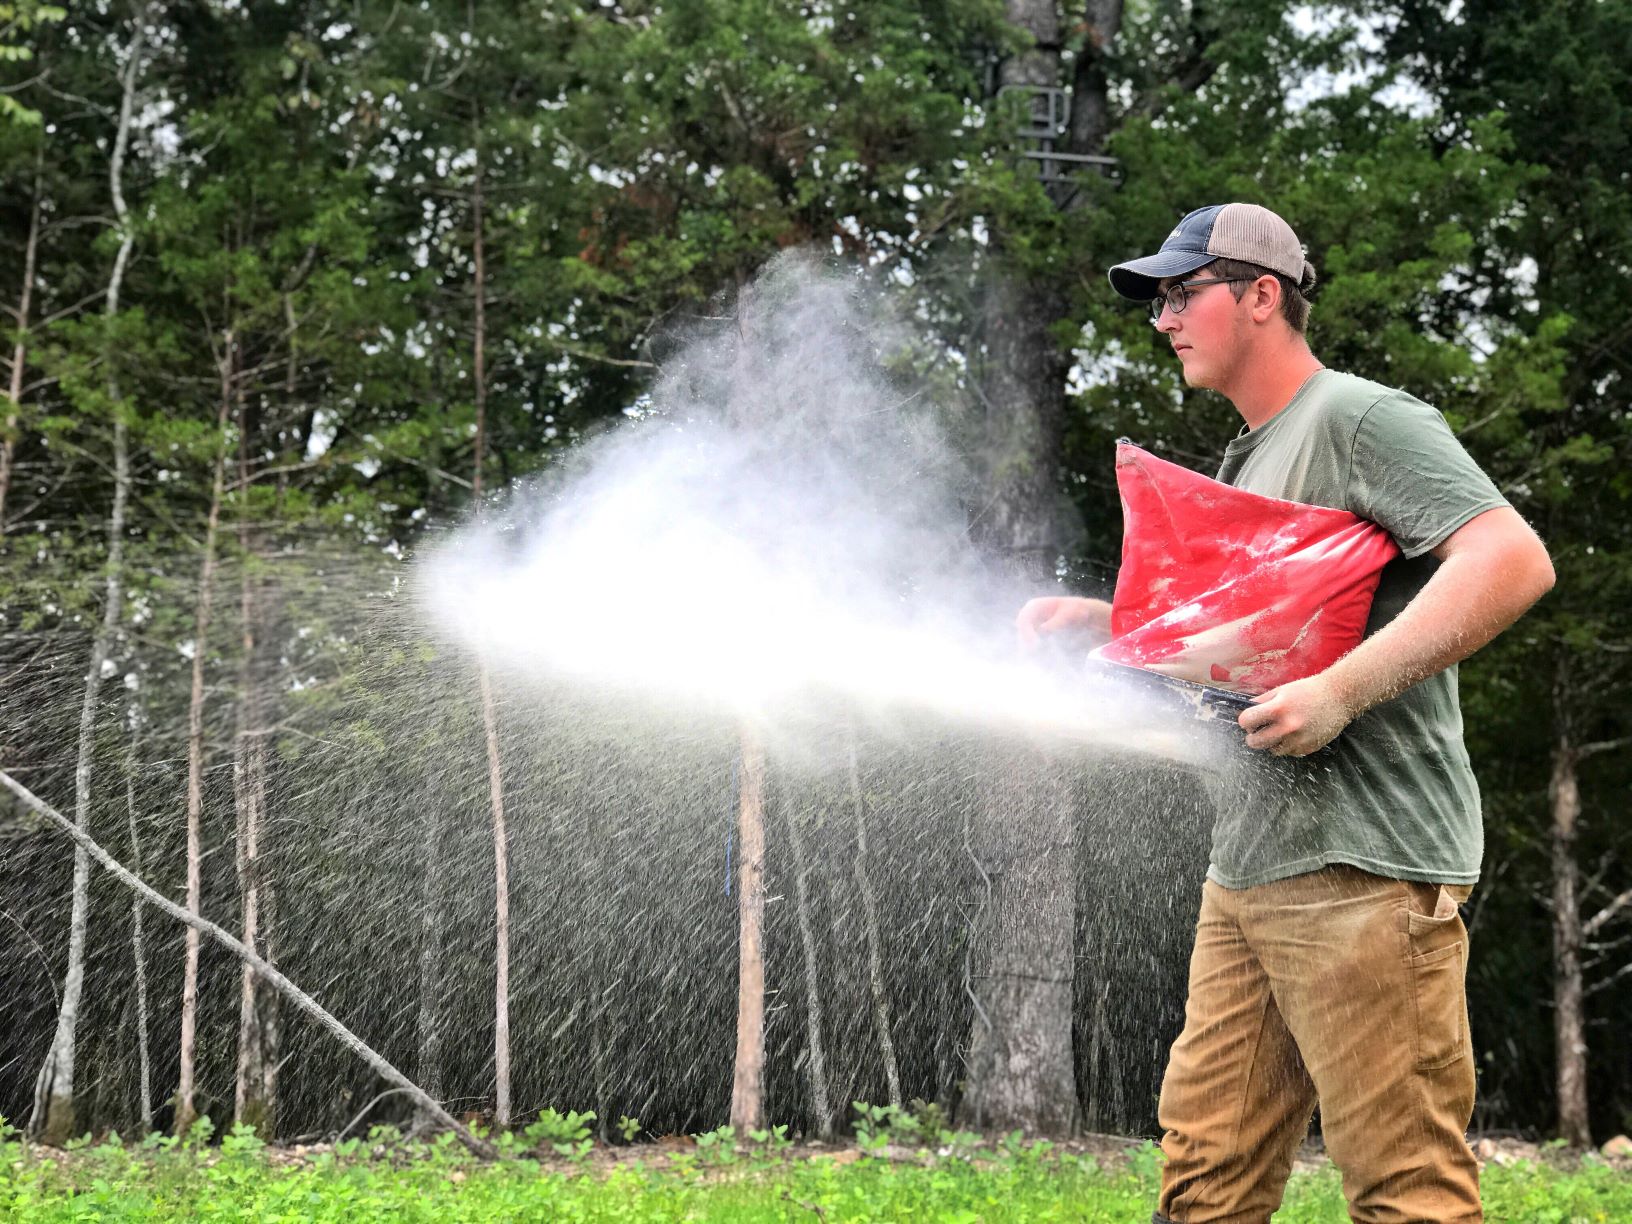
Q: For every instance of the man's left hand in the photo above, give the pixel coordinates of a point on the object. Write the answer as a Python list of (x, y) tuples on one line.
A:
[(1296, 719)]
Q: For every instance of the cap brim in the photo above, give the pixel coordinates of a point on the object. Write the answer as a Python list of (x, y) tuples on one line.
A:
[(1137, 279)]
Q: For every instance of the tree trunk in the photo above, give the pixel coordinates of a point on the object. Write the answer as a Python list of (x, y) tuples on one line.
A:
[(748, 1075), (875, 953), (19, 352), (1569, 1017), (254, 1099), (138, 942), (816, 1063), (490, 721), (1023, 369), (1090, 85), (53, 1119), (501, 906), (186, 1112), (1023, 382), (1020, 1066), (1102, 1050), (1020, 1071)]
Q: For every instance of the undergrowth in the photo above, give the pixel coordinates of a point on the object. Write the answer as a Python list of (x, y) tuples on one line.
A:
[(905, 1167)]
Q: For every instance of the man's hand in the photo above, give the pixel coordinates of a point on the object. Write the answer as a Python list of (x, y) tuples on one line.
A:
[(1063, 614), (1298, 718)]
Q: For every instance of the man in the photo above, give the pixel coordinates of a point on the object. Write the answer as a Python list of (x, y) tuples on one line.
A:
[(1330, 958)]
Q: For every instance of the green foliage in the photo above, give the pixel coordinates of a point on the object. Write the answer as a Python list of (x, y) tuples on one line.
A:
[(440, 1181), (920, 1126), (565, 1134), (717, 1148), (22, 17), (303, 199)]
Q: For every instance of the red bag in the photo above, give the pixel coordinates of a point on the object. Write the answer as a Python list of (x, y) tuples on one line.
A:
[(1231, 589)]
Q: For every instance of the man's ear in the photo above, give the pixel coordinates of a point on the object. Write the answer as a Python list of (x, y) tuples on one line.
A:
[(1265, 296)]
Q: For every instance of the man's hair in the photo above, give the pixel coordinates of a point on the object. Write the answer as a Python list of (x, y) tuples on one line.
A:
[(1294, 296)]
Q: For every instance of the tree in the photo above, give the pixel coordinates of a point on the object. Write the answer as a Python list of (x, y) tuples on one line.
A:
[(1561, 441), (54, 1115)]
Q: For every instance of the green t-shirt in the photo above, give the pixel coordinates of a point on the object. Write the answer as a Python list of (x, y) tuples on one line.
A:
[(1394, 794)]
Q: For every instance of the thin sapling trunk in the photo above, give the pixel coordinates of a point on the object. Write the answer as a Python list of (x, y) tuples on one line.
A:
[(138, 943), (490, 718), (748, 1076), (1569, 1017), (186, 1112), (254, 1103)]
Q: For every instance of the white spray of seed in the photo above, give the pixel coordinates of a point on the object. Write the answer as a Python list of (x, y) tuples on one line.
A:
[(783, 526)]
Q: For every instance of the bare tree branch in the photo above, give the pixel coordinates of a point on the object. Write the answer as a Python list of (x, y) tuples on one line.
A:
[(1597, 922), (1593, 749), (1605, 983)]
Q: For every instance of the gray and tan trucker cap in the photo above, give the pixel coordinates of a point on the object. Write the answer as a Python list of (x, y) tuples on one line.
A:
[(1248, 232)]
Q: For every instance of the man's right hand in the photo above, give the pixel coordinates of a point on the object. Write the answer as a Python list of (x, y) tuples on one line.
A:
[(1063, 614)]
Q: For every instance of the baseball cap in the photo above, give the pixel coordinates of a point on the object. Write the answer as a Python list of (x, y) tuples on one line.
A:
[(1250, 233)]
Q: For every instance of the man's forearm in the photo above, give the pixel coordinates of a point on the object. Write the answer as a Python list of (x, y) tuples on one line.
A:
[(1467, 602)]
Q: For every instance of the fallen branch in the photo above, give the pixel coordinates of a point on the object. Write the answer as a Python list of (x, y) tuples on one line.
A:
[(271, 976)]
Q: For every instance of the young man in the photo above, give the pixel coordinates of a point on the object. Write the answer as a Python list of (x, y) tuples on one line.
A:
[(1330, 957)]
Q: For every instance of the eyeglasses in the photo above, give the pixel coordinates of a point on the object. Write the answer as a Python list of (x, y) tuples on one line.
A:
[(1177, 296)]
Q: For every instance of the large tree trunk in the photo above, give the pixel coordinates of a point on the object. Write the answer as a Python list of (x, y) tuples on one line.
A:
[(1090, 85), (1569, 1018), (186, 1111), (1023, 368), (53, 1119), (1023, 381), (748, 1074), (1020, 1074)]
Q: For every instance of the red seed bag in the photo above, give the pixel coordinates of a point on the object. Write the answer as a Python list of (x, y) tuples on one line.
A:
[(1231, 589)]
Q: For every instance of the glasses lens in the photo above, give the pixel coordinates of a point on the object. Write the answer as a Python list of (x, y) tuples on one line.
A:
[(1173, 299)]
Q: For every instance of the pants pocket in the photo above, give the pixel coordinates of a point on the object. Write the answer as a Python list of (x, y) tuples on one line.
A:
[(1438, 953)]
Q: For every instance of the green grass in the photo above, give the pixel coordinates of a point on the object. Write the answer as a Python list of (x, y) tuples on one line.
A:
[(386, 1180)]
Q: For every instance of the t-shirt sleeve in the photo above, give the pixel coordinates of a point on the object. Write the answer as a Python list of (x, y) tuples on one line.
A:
[(1409, 475)]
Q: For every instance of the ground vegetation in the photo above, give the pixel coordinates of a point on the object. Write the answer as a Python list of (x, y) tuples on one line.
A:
[(287, 288)]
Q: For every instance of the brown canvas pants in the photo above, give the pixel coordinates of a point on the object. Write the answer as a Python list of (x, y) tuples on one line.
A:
[(1339, 987)]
